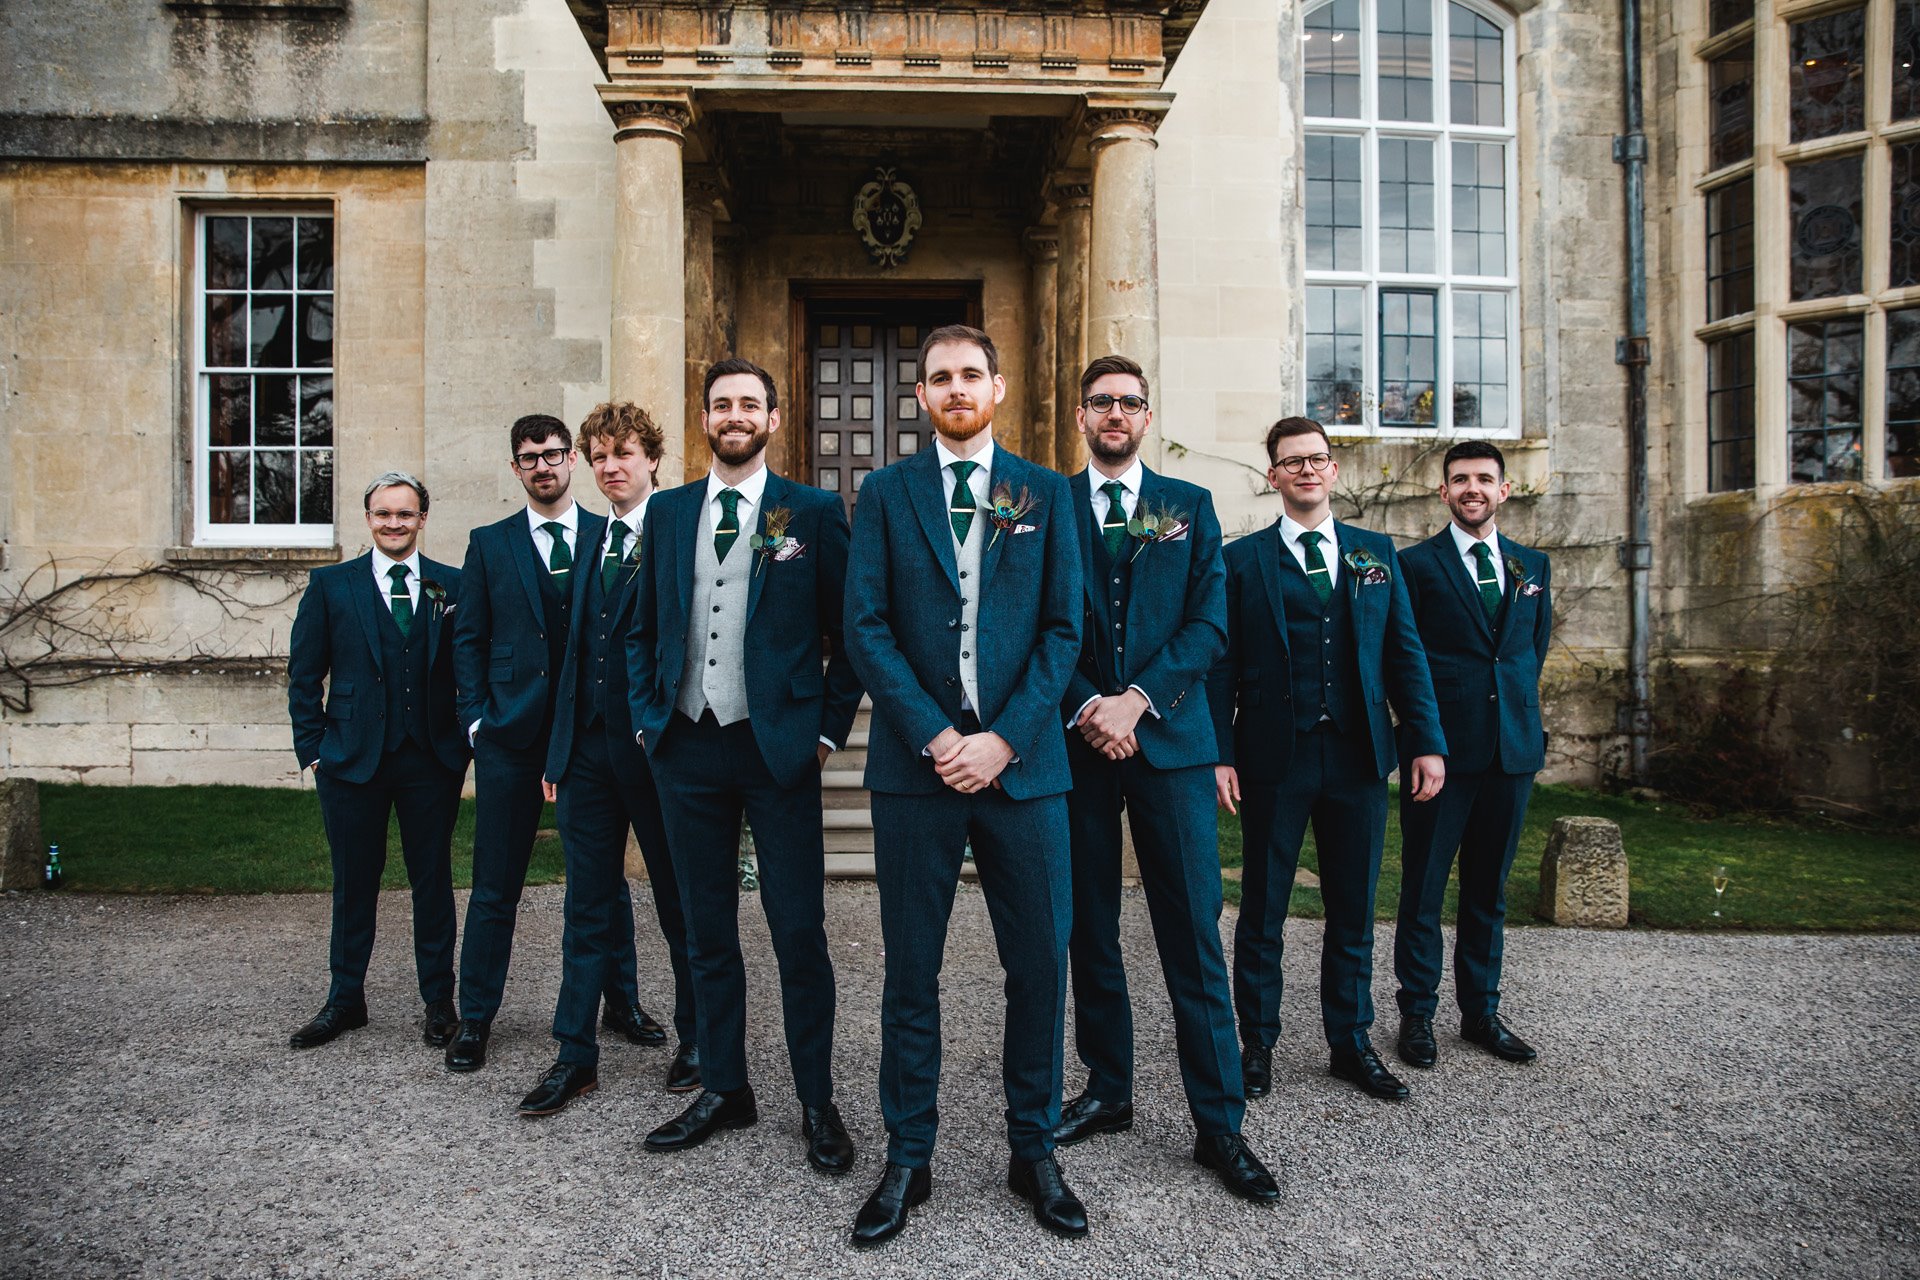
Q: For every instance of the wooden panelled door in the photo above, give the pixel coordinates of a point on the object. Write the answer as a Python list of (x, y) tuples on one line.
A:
[(863, 362)]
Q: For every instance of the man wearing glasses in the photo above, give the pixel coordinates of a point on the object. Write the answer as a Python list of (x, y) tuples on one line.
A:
[(1140, 739), (1320, 638)]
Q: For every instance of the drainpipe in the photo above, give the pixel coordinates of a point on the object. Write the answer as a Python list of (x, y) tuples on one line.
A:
[(1636, 552)]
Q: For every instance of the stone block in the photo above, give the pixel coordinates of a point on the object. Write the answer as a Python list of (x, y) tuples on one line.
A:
[(251, 768), (22, 856), (67, 746), (1583, 877)]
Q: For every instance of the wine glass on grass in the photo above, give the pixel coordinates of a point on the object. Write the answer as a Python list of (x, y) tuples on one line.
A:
[(1719, 887)]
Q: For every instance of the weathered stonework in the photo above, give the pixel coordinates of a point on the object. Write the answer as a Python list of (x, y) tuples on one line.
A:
[(22, 857), (1583, 876)]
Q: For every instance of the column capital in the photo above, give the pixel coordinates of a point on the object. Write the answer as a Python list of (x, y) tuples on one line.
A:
[(666, 113), (1107, 119), (1042, 243), (1070, 188)]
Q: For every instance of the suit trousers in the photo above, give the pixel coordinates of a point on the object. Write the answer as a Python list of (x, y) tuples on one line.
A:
[(424, 794), (710, 775), (1176, 838), (1480, 816), (1334, 783), (1020, 851)]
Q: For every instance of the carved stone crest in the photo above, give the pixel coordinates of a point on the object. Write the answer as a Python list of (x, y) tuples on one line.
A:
[(886, 214)]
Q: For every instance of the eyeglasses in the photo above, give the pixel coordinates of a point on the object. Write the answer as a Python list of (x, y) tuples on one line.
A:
[(384, 516), (1103, 403), (1292, 466), (552, 457)]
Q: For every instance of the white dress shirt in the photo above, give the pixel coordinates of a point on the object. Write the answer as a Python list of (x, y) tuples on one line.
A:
[(1130, 481), (569, 521), (751, 490), (634, 521), (382, 567), (1465, 542), (979, 483), (1290, 531)]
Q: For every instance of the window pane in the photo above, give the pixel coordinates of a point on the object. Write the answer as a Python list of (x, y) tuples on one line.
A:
[(1336, 350), (1724, 15), (1906, 59), (1406, 205), (272, 330), (1475, 70), (316, 486), (229, 410), (316, 410), (829, 478), (1479, 209), (273, 416), (226, 253), (1330, 53), (1408, 357), (1334, 223), (1825, 200), (829, 371), (1406, 59), (315, 348), (1903, 220), (863, 371), (316, 253), (272, 253), (1730, 250), (229, 491), (1730, 106), (1829, 75), (907, 408), (1730, 413), (909, 443), (226, 331), (273, 492), (863, 408), (829, 443), (1823, 400), (1903, 393), (1479, 362)]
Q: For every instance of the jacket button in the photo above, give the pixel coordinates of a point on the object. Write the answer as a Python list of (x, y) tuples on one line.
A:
[(1493, 697), (950, 682)]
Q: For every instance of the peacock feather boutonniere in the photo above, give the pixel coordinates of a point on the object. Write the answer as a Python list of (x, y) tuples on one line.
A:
[(1148, 526), (774, 544), (1006, 511), (436, 596), (1368, 569), (1522, 584)]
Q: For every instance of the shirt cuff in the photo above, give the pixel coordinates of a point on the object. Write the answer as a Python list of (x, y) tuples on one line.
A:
[(1151, 709), (829, 743), (471, 730), (1083, 710)]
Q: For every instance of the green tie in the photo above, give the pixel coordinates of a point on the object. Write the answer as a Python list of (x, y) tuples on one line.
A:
[(1317, 564), (1485, 578), (559, 560), (961, 509), (1114, 528), (402, 602), (616, 544), (727, 532)]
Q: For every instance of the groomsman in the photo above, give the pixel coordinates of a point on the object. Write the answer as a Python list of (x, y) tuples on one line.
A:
[(963, 619), (1320, 638), (601, 783), (739, 607), (374, 631), (1484, 606), (1141, 740), (509, 645)]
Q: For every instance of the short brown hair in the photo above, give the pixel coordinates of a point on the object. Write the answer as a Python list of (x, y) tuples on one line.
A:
[(960, 333), (730, 366), (1105, 365), (618, 420), (1288, 427), (537, 428)]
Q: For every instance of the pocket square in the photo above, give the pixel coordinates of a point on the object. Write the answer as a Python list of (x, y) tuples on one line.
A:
[(1023, 528), (1531, 588), (789, 550)]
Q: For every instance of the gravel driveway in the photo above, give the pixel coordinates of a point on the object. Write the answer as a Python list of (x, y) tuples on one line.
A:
[(1702, 1106)]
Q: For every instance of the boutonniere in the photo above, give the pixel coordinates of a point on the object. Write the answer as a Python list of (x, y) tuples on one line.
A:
[(436, 593), (1521, 583), (1149, 526), (774, 544), (1006, 511), (1368, 569)]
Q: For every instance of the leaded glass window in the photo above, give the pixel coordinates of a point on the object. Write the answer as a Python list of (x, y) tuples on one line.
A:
[(1903, 392), (1824, 198), (1829, 82), (1730, 249), (1730, 106), (1730, 414), (1823, 399)]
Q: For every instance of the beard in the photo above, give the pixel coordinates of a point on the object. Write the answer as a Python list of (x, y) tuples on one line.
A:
[(547, 486), (965, 424), (1101, 448), (1474, 519), (733, 450)]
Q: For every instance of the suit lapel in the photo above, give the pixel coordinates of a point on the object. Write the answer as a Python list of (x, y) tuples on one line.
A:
[(427, 571), (1140, 554), (588, 532), (365, 601), (1510, 608), (1464, 586), (526, 557), (926, 492), (690, 527), (1268, 551), (1081, 487), (770, 497), (1007, 473)]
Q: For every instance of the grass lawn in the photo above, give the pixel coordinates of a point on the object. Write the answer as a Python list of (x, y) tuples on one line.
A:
[(1782, 875), (223, 840)]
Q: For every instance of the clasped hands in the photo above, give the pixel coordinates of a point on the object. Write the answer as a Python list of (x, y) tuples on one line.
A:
[(1108, 724), (969, 762)]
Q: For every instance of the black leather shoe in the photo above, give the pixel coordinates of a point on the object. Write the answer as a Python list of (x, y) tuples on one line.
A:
[(1363, 1067), (1239, 1169), (1087, 1115), (328, 1023), (438, 1027), (468, 1052), (1491, 1034), (1417, 1048), (563, 1082), (829, 1149), (1256, 1071), (683, 1073), (885, 1211), (1055, 1207), (631, 1021), (710, 1113)]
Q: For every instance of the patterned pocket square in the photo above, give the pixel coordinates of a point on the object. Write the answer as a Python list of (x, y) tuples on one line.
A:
[(1531, 588)]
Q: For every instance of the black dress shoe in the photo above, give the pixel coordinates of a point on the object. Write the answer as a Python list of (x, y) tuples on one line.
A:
[(1364, 1068), (710, 1113), (885, 1211), (631, 1021), (1417, 1048), (683, 1073), (1491, 1034), (438, 1027), (1086, 1115), (1256, 1071), (829, 1149), (1240, 1170), (563, 1082), (1040, 1184), (468, 1052), (328, 1023)]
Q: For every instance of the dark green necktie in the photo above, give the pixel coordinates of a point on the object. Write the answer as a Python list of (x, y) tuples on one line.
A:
[(960, 510), (727, 532), (1485, 579), (560, 559), (1317, 572), (1113, 530), (616, 552), (402, 602)]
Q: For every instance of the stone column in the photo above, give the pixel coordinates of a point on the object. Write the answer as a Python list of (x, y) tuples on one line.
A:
[(1043, 309), (1123, 272), (649, 333), (702, 189), (1072, 194)]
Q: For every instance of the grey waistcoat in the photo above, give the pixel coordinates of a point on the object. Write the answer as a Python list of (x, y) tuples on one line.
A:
[(715, 677)]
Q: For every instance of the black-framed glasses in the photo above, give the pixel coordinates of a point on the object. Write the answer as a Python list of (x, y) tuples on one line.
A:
[(552, 457), (1293, 465), (1103, 403)]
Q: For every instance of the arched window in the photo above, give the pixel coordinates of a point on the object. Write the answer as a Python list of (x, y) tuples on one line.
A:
[(1412, 310)]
